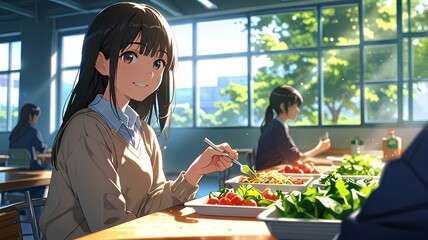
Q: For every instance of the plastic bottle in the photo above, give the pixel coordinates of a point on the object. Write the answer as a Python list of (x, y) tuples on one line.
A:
[(357, 146), (391, 146)]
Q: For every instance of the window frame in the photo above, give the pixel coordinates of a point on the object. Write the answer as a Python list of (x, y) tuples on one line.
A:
[(9, 40), (401, 80), (60, 108)]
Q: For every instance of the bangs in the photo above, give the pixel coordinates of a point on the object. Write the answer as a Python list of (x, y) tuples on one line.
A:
[(157, 38)]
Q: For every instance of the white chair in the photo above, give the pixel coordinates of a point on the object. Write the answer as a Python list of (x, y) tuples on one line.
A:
[(19, 157)]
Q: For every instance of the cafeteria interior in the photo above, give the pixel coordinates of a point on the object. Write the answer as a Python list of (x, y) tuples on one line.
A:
[(359, 65)]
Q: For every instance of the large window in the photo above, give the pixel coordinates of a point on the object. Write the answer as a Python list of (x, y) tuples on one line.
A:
[(10, 66), (353, 66), (360, 63), (71, 54)]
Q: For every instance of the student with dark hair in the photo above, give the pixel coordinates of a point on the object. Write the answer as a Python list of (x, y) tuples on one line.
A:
[(108, 163), (275, 145), (25, 135)]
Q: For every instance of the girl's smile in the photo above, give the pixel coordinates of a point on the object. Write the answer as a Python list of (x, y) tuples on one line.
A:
[(140, 84)]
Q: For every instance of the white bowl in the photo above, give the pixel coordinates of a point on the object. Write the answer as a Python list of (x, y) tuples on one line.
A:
[(299, 228), (201, 207), (302, 175)]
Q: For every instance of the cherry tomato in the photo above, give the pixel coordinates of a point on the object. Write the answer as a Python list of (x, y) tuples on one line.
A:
[(307, 168), (250, 202), (230, 195), (297, 170), (238, 200), (225, 201), (297, 181), (288, 169), (268, 194), (213, 201), (298, 163)]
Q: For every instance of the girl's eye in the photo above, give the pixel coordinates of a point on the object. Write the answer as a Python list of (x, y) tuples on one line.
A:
[(129, 57), (159, 64)]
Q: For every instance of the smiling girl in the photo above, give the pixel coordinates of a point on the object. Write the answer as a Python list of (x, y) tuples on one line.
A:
[(108, 163)]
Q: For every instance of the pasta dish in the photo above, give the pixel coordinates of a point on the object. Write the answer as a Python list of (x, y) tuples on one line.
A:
[(271, 177)]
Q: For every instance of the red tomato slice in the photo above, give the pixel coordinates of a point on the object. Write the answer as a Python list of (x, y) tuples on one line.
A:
[(288, 169), (213, 201), (298, 163), (307, 168), (230, 195), (238, 200), (250, 202), (225, 201), (268, 194)]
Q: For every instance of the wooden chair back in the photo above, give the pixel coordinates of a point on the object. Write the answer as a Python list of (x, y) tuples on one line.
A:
[(10, 225), (9, 216)]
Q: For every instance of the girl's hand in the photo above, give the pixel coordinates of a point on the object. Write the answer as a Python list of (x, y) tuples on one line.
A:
[(208, 162), (324, 145)]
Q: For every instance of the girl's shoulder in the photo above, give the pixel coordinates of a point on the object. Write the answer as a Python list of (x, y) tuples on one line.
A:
[(86, 115), (86, 122)]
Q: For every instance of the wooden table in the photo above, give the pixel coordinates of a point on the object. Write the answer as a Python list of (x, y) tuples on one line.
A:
[(6, 169), (12, 180), (181, 222), (44, 157)]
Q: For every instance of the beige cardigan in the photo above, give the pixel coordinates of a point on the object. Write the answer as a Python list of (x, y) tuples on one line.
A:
[(103, 181)]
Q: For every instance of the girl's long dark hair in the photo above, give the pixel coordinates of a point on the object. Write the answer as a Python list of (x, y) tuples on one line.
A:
[(112, 31), (27, 110), (282, 94)]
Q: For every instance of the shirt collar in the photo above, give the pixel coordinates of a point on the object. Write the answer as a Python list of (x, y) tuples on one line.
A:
[(281, 121), (128, 118)]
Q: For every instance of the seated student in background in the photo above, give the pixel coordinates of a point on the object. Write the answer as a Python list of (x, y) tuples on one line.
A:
[(25, 135), (275, 145)]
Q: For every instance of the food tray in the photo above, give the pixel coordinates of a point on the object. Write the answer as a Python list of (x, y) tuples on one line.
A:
[(302, 175), (234, 182), (201, 207), (299, 229)]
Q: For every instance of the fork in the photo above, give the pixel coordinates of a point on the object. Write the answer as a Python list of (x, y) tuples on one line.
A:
[(245, 169)]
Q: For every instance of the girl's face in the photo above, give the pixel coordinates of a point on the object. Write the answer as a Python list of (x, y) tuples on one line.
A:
[(137, 76), (293, 111), (33, 119)]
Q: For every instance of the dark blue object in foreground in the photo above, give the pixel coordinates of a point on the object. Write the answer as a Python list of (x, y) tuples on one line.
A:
[(398, 208)]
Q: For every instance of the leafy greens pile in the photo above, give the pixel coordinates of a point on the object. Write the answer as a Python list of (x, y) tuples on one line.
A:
[(338, 200), (361, 164)]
